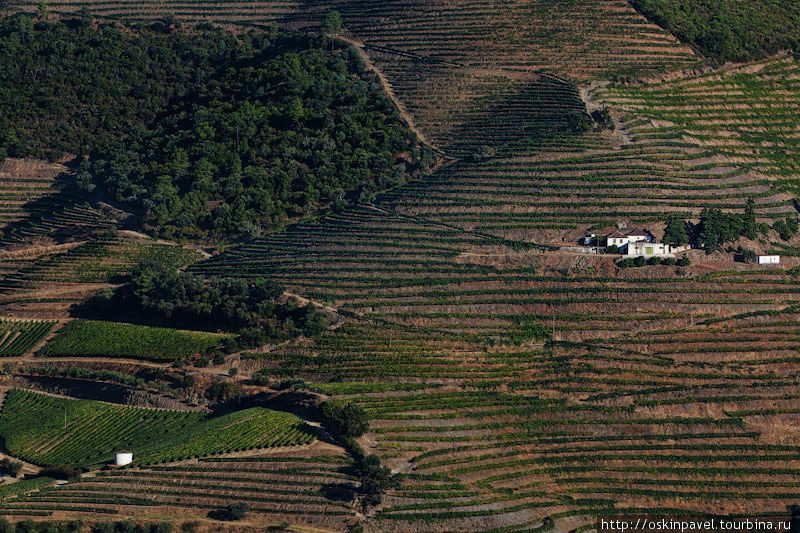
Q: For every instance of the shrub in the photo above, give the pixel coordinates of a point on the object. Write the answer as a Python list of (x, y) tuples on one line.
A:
[(654, 261), (11, 467), (786, 228), (350, 420), (291, 383), (603, 118), (237, 511), (746, 256), (223, 391), (668, 261), (262, 377), (65, 471), (332, 22), (683, 261), (639, 261)]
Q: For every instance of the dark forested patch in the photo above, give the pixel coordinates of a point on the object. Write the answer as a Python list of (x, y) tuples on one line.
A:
[(728, 30), (160, 294), (203, 133)]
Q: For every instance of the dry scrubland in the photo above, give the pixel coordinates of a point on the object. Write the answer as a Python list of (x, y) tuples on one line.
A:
[(661, 387)]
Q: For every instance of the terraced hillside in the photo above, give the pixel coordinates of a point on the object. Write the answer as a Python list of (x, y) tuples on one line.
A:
[(44, 281), (37, 203), (31, 428), (517, 382), (285, 484), (642, 400), (747, 113), (712, 140), (464, 67)]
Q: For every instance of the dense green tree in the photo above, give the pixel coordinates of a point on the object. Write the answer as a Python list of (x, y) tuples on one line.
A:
[(350, 420), (332, 22), (786, 228), (237, 511), (675, 233), (717, 228), (86, 16), (11, 467), (375, 479)]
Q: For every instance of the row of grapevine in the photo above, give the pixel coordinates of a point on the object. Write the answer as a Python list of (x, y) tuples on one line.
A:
[(49, 430), (18, 337)]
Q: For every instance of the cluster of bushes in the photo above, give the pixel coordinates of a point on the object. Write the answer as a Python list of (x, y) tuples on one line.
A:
[(77, 526), (11, 467), (161, 294), (87, 374), (233, 512), (641, 261), (351, 421), (264, 378), (786, 228), (206, 133), (717, 228), (728, 30), (64, 471), (224, 391), (745, 256)]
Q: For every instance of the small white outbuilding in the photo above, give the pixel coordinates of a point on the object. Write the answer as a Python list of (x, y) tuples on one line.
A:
[(769, 259), (123, 458)]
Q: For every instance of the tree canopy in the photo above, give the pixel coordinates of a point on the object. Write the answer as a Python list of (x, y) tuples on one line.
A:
[(728, 30), (717, 228), (160, 294), (675, 233), (203, 133)]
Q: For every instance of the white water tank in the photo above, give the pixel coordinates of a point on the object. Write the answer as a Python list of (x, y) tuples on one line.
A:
[(123, 458)]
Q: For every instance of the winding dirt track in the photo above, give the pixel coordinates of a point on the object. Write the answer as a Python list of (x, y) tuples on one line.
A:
[(404, 114)]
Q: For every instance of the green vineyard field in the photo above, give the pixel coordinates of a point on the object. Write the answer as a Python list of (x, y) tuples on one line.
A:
[(18, 337), (92, 338), (32, 427)]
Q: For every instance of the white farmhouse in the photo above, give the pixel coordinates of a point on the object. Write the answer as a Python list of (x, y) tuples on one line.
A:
[(620, 239), (639, 235), (769, 259), (617, 239), (645, 248)]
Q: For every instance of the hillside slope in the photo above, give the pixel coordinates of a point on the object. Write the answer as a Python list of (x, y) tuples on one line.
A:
[(458, 67)]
